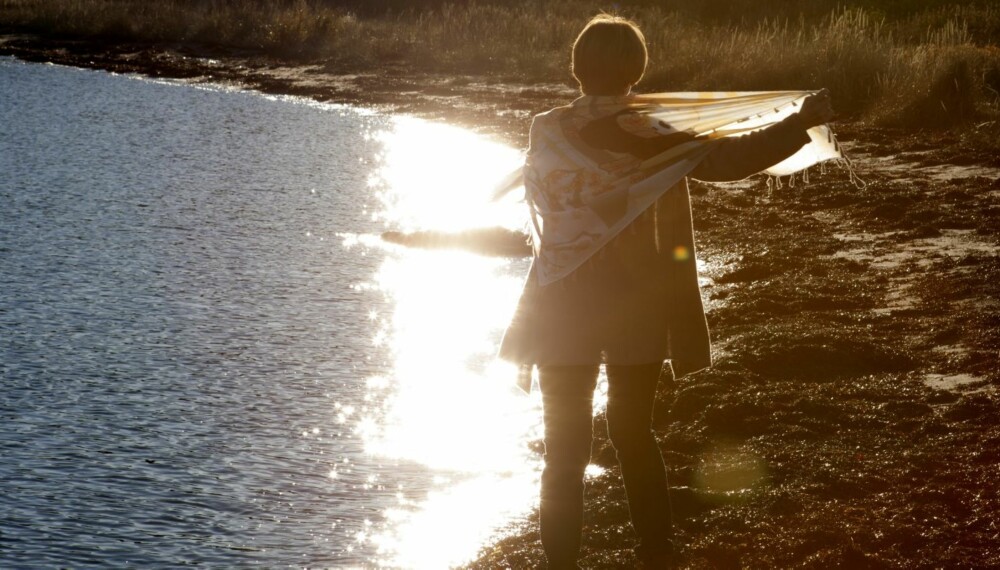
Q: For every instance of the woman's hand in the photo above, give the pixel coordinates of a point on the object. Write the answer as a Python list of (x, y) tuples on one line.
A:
[(816, 109)]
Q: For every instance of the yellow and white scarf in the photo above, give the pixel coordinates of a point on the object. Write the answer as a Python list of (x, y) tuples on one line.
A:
[(580, 198)]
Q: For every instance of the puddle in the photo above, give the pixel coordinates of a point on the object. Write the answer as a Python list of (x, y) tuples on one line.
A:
[(880, 251), (883, 254), (965, 383), (940, 172)]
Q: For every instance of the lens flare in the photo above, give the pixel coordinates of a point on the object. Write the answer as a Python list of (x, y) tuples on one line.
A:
[(681, 253)]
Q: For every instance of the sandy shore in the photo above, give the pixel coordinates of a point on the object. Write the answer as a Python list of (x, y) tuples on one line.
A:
[(852, 419)]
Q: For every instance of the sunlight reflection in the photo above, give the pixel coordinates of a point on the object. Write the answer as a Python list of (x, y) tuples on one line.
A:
[(447, 403), (453, 406), (435, 176), (439, 534)]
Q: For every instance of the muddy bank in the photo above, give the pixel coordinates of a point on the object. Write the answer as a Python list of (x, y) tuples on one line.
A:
[(852, 418)]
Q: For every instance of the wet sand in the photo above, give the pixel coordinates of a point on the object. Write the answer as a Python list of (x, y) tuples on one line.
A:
[(852, 418)]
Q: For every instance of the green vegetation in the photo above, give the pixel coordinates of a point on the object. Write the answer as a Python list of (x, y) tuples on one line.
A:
[(896, 62)]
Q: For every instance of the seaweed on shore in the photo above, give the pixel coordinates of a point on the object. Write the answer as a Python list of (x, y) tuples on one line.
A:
[(852, 418)]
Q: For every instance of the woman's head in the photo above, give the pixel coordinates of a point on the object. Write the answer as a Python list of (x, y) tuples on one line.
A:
[(609, 56)]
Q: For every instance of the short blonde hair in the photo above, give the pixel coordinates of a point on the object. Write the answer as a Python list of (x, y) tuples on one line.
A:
[(609, 56)]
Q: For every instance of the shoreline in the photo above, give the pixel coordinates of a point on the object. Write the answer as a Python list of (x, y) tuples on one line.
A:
[(480, 103), (826, 434)]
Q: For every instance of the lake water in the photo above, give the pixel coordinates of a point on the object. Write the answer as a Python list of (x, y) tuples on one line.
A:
[(208, 357)]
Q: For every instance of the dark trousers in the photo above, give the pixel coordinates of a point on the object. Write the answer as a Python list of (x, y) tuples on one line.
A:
[(567, 398)]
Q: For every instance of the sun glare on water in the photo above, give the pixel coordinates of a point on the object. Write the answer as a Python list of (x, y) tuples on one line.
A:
[(448, 403), (440, 177)]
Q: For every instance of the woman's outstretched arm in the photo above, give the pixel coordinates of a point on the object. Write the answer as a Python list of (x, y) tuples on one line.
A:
[(736, 158), (498, 242)]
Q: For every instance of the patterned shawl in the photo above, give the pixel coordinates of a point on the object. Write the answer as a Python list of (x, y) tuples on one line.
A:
[(581, 197)]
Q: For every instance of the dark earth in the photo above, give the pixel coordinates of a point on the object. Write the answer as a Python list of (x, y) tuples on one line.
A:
[(851, 420)]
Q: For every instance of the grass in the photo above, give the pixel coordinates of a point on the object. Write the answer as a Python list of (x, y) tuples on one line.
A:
[(908, 63)]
